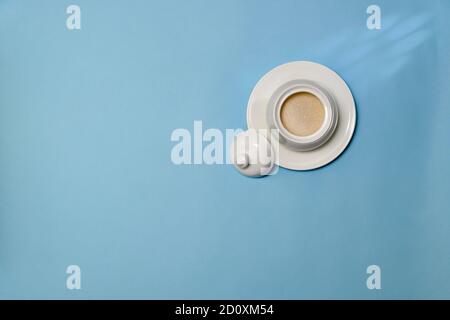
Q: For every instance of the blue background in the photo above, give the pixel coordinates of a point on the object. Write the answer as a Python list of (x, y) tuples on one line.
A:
[(86, 176)]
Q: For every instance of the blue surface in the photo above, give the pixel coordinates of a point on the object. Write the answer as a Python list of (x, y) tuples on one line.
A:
[(86, 176)]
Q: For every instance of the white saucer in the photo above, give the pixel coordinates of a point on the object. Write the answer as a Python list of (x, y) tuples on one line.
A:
[(329, 80)]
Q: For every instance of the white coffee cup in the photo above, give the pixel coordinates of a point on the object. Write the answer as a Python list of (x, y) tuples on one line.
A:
[(317, 138)]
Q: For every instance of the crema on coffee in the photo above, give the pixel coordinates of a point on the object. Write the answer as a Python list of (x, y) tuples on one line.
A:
[(302, 114)]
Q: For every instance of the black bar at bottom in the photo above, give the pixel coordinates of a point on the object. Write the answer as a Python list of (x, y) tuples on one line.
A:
[(220, 309)]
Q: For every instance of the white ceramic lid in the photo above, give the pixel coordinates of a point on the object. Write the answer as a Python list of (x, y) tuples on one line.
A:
[(252, 154)]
